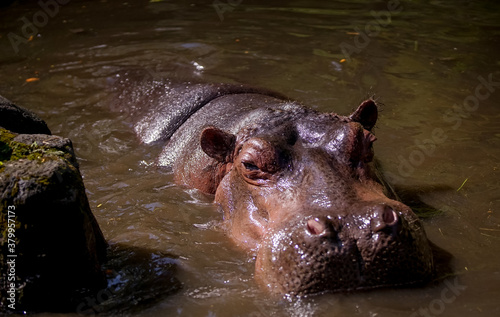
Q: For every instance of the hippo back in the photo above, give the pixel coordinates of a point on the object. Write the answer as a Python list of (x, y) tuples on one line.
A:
[(159, 108)]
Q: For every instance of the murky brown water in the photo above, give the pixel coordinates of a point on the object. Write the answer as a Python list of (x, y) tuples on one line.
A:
[(423, 63)]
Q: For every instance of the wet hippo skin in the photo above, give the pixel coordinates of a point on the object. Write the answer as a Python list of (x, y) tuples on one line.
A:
[(296, 187)]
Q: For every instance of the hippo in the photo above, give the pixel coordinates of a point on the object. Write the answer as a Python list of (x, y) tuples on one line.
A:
[(296, 187)]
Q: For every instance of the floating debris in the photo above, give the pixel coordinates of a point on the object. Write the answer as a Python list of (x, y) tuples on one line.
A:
[(465, 181)]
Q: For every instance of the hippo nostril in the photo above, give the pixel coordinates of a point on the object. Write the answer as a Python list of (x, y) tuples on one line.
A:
[(383, 217), (389, 216), (315, 227)]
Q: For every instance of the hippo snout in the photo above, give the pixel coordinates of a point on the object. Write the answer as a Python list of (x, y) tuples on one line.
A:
[(383, 218), (382, 245)]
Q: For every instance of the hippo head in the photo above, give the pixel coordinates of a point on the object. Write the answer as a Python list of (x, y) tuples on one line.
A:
[(299, 191)]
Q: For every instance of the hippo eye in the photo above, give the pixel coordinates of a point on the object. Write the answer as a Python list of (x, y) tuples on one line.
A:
[(250, 166), (260, 161), (254, 174)]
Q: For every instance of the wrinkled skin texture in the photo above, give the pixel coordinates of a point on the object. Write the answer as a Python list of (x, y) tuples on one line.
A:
[(296, 188)]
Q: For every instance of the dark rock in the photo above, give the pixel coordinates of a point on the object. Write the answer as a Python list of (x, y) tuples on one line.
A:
[(20, 120), (47, 228), (6, 3), (139, 278)]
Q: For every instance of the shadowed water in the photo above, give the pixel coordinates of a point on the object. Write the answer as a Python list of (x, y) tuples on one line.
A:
[(433, 65)]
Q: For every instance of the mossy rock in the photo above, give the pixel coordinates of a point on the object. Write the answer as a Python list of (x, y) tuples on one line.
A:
[(35, 147), (58, 245), (20, 120)]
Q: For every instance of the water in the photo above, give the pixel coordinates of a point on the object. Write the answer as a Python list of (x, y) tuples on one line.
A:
[(438, 130)]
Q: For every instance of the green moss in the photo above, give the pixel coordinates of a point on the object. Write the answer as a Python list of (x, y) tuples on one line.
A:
[(23, 151), (5, 139), (6, 136), (43, 181), (12, 151), (15, 189)]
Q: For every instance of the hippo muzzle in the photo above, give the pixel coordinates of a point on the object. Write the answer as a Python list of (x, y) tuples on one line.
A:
[(382, 246)]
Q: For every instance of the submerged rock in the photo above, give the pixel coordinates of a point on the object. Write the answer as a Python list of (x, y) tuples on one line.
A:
[(51, 247), (20, 120)]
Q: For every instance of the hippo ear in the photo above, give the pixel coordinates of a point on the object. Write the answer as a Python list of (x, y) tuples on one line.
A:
[(217, 144), (366, 114)]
